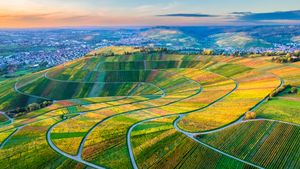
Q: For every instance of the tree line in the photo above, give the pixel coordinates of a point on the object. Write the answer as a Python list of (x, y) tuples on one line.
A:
[(29, 108)]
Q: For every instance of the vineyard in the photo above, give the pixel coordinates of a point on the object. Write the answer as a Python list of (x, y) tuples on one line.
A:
[(268, 143), (124, 107)]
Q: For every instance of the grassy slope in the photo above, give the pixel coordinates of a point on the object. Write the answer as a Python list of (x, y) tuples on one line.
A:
[(109, 137), (268, 144), (2, 118), (156, 144), (284, 108)]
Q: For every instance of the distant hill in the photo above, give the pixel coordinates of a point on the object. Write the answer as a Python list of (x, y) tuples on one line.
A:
[(238, 40), (296, 39), (170, 37)]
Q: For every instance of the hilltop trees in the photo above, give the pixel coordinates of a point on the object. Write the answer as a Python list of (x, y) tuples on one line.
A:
[(208, 52), (286, 58), (29, 108), (297, 53), (33, 106)]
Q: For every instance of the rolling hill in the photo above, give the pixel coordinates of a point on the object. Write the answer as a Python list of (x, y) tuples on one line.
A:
[(123, 107)]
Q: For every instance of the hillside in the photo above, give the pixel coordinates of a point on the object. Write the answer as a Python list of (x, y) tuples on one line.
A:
[(240, 40), (124, 107)]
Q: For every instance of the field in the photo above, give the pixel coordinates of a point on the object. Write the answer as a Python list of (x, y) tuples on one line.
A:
[(284, 107), (269, 144), (123, 107)]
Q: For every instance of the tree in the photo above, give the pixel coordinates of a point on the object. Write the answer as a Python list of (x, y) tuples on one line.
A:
[(288, 58), (33, 106), (294, 90), (297, 53), (250, 115), (18, 110), (208, 52), (269, 53), (46, 103), (280, 53)]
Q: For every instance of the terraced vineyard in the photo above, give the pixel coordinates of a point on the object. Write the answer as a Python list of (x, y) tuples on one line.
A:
[(152, 109)]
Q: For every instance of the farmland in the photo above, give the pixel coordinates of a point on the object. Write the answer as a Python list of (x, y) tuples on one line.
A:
[(145, 108), (266, 143), (284, 107)]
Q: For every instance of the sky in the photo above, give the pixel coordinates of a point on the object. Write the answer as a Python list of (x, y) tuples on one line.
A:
[(73, 13)]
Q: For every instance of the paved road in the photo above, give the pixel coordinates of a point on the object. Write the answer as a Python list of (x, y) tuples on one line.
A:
[(92, 129), (82, 82), (278, 121), (242, 117), (76, 158), (8, 138), (128, 137), (133, 126), (192, 135), (129, 112), (16, 88), (8, 118)]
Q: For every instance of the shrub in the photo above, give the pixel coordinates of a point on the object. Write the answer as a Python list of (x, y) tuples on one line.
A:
[(279, 90), (297, 53), (208, 52), (33, 106), (46, 103), (294, 90), (250, 115)]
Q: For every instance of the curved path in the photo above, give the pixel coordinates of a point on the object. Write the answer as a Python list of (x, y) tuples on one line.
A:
[(278, 121), (241, 119), (82, 113), (128, 139), (82, 82), (76, 158), (8, 118), (16, 88), (117, 99), (182, 115), (192, 135), (175, 123), (129, 112), (8, 138)]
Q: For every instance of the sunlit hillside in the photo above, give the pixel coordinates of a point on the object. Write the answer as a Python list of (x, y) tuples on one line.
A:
[(123, 107)]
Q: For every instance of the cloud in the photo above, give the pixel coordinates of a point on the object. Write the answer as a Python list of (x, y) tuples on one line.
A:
[(281, 15), (27, 17), (191, 15), (42, 16), (241, 13), (144, 8)]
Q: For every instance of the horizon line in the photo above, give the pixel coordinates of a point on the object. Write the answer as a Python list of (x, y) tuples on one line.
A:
[(140, 27)]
